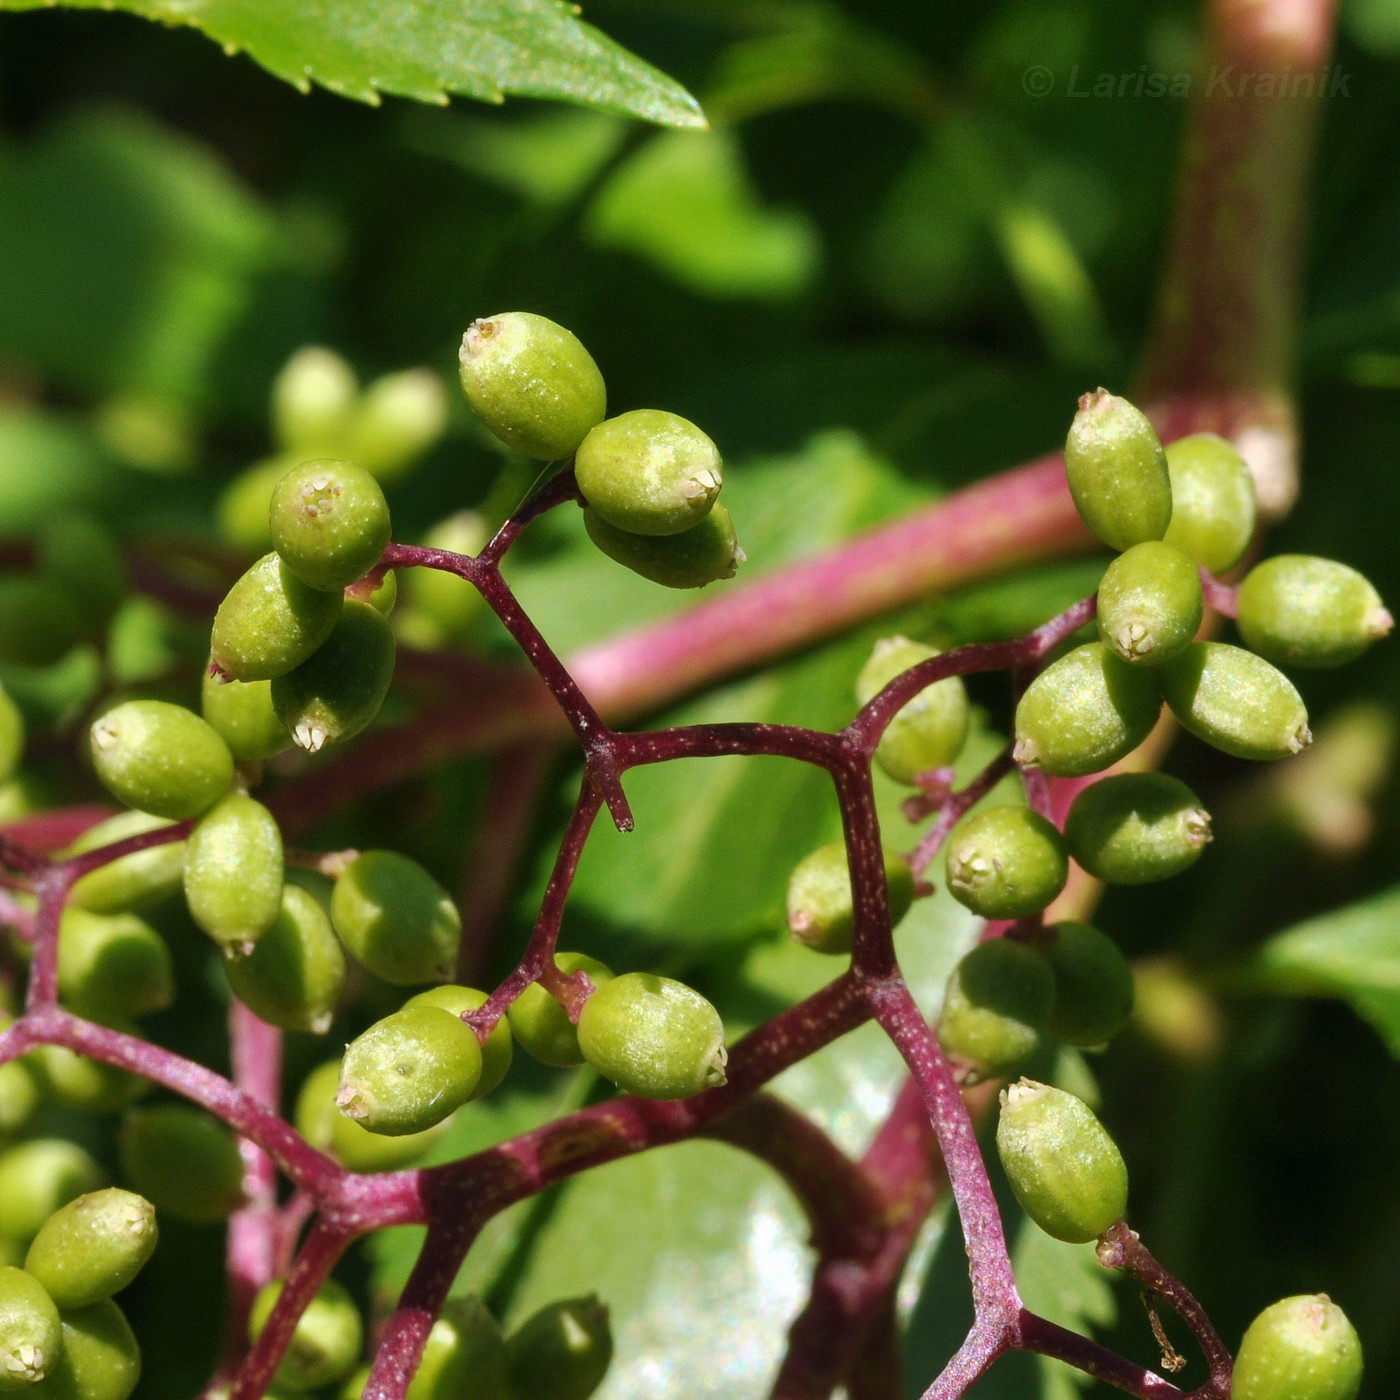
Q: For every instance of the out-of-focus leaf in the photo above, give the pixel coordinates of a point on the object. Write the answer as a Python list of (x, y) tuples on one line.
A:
[(1374, 24), (428, 50), (47, 463)]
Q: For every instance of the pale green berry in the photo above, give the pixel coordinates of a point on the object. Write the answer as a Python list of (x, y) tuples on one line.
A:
[(269, 622), (1300, 1348), (929, 732), (1093, 984), (312, 400), (496, 1053), (1299, 610), (113, 964), (329, 522), (324, 1126), (160, 758), (1150, 603), (465, 1355), (38, 1177), (242, 713), (19, 1096), (31, 1336), (327, 1340), (1117, 472), (93, 1247), (130, 882), (399, 417), (242, 507), (233, 871), (703, 554), (184, 1161), (562, 1352), (1133, 828), (1236, 701), (1006, 862), (820, 903), (11, 735), (444, 607), (1213, 502), (996, 1008), (87, 1085), (396, 919), (542, 1026), (101, 1359)]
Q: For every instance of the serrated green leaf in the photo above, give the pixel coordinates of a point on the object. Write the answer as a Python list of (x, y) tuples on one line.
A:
[(428, 49)]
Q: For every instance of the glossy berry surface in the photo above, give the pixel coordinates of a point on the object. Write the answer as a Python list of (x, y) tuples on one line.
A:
[(233, 871), (396, 919), (324, 1126), (705, 553), (542, 1026), (1006, 862), (498, 1049), (820, 902), (93, 1247), (38, 1177), (269, 622), (186, 1163), (562, 1352), (160, 758), (100, 1360), (31, 1339), (327, 1340), (242, 713), (1213, 502), (1093, 984), (1299, 610), (1133, 828), (1300, 1348), (928, 732), (1150, 603), (996, 1008), (1117, 472), (329, 522), (1236, 701)]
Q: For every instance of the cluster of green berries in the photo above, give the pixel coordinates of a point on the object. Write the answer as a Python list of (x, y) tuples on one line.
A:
[(650, 480)]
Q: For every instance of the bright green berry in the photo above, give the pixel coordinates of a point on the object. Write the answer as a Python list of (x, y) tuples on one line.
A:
[(233, 871), (11, 735), (1236, 701), (87, 1085), (93, 1247), (1117, 472), (702, 554), (409, 1071), (396, 919), (31, 1336), (1213, 504), (242, 507), (184, 1161), (1299, 610), (329, 522), (312, 400), (295, 972), (1133, 828), (327, 1340), (399, 417), (39, 1177), (1300, 1348), (930, 730), (38, 623), (542, 1026), (653, 1036), (80, 556), (324, 1126), (1006, 862), (531, 383), (131, 882), (561, 1352), (1066, 1171), (113, 964), (242, 713), (1085, 712), (996, 1007), (496, 1053), (339, 688), (465, 1355), (269, 622), (820, 904), (101, 1359), (1150, 603), (443, 607), (19, 1096), (160, 758), (1093, 984)]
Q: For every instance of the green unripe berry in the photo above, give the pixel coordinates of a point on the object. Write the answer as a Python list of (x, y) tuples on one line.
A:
[(561, 1352), (11, 735), (327, 1340), (1299, 610), (338, 689), (496, 1053), (542, 1026), (113, 964), (383, 597), (269, 622), (1006, 862), (131, 882), (39, 1177), (1133, 828), (184, 1161), (242, 507), (19, 1096), (996, 1007), (1236, 701), (653, 1036), (329, 523), (398, 418), (1300, 1348), (324, 1126), (1117, 472), (93, 1247), (396, 919), (242, 713), (465, 1355), (160, 758), (312, 399), (38, 623), (90, 1086), (820, 902), (702, 554), (409, 1071), (233, 871), (1085, 712), (1213, 502), (101, 1359), (930, 730), (31, 1337), (445, 608), (531, 383), (1150, 603), (295, 972), (81, 558), (1066, 1171), (1093, 984)]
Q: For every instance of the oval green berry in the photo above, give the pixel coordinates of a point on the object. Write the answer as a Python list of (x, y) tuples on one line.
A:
[(90, 1086), (531, 383), (1133, 828), (329, 522), (242, 712), (703, 554), (1236, 701), (130, 882), (242, 508), (113, 964), (542, 1026), (312, 399), (81, 558), (184, 1161), (1299, 610), (11, 736), (929, 732), (409, 1071), (38, 623), (562, 1352), (19, 1096), (1213, 502), (1093, 984), (820, 903), (1150, 603), (160, 758), (1117, 472), (1300, 1348), (324, 1126), (653, 1036), (269, 622), (444, 608), (996, 1007), (496, 1053), (93, 1247), (1006, 862), (327, 1340), (39, 1177), (1085, 712), (233, 871), (399, 417), (31, 1336), (101, 1359), (1066, 1171), (396, 919), (465, 1355)]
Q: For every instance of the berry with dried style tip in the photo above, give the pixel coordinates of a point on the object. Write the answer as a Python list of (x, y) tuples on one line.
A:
[(1236, 701), (1213, 503), (1300, 1348), (465, 1355), (703, 554), (996, 1008), (31, 1337), (930, 730), (498, 1049), (329, 522), (93, 1247), (396, 919), (130, 882), (531, 383), (233, 871), (562, 1352), (1093, 984), (542, 1026), (113, 964), (242, 713), (1150, 603), (1133, 828), (269, 622), (160, 758), (101, 1359), (1006, 862), (324, 1126), (820, 902), (327, 1340), (1117, 471), (1299, 610), (38, 1177), (1066, 1171), (183, 1160)]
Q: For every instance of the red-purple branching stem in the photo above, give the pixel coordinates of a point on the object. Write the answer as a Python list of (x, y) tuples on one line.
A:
[(1046, 1338), (956, 807)]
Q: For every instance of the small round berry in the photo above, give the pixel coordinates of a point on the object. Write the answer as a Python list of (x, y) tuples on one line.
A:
[(1085, 712), (233, 871), (329, 522), (1117, 472), (1134, 828), (242, 507), (820, 903), (182, 1160), (31, 1336), (242, 713), (269, 622), (703, 554), (996, 1007), (1006, 862), (324, 1126), (930, 730), (1093, 984), (1300, 1348), (1066, 1171), (407, 1072), (399, 417), (112, 964), (542, 1026), (531, 383), (561, 1352), (312, 399), (39, 624), (11, 736), (38, 1177), (1299, 610), (160, 758), (444, 608), (327, 1340), (19, 1096), (465, 1355), (498, 1050), (1236, 701), (78, 1082), (1150, 603), (101, 1359), (396, 919), (130, 882), (1213, 503), (93, 1247)]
